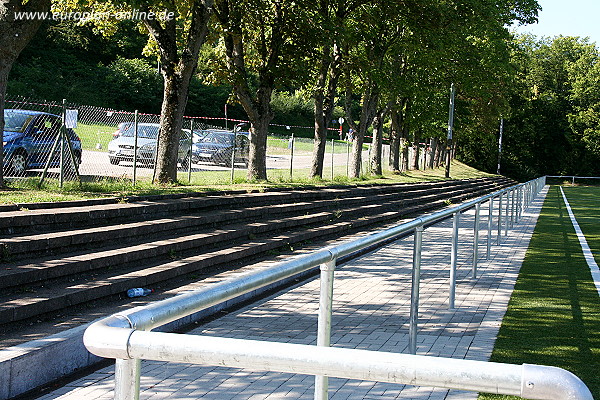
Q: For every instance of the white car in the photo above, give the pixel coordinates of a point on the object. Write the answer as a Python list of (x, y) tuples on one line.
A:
[(121, 148)]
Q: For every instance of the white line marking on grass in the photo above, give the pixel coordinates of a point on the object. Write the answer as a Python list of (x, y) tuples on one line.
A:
[(587, 252)]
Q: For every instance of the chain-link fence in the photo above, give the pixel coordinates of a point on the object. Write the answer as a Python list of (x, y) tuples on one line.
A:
[(47, 140)]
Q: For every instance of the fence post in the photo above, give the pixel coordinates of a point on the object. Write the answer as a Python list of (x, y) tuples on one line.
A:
[(191, 149), (324, 323), (332, 153), (135, 145), (453, 260), (489, 228), (291, 156), (347, 159), (127, 379), (414, 293), (233, 155), (476, 239), (61, 176)]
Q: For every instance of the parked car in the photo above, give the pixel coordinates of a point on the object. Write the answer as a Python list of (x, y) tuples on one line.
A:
[(28, 139), (216, 146), (121, 148)]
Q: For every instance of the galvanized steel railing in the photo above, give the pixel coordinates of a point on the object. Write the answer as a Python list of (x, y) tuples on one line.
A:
[(125, 336)]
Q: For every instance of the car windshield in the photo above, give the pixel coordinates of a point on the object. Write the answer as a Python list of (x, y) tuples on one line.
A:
[(217, 137), (15, 122), (144, 131)]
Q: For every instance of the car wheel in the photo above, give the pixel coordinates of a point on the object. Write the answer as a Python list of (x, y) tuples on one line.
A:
[(114, 160), (18, 163)]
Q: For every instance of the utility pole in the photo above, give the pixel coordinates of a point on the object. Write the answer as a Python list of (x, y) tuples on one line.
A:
[(450, 129), (500, 144)]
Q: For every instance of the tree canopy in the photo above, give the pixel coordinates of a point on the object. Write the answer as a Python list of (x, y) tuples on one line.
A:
[(386, 66)]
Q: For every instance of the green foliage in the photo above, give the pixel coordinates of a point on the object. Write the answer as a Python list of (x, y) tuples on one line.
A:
[(554, 126)]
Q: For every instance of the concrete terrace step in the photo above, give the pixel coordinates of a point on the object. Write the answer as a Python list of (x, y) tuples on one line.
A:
[(28, 245), (29, 272), (67, 294), (61, 218)]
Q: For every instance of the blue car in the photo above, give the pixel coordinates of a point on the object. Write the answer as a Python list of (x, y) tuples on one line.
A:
[(28, 139)]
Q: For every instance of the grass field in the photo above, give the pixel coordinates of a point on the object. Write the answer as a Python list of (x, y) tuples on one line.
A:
[(553, 317), (26, 191)]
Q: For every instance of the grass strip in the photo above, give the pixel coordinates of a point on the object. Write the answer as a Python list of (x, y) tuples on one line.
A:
[(27, 191), (553, 316)]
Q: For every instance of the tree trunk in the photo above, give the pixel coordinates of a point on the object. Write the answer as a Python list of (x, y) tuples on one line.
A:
[(171, 122), (14, 36), (395, 134), (320, 140), (438, 154), (261, 116), (177, 67), (370, 99), (376, 144), (324, 104), (416, 147), (432, 149), (405, 146)]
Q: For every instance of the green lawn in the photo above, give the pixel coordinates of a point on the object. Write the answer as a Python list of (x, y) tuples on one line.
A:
[(26, 190), (553, 317), (92, 134)]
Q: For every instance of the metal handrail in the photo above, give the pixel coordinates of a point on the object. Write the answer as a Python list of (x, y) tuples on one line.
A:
[(116, 336)]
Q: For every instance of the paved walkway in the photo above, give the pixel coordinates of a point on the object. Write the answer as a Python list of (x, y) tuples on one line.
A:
[(371, 309)]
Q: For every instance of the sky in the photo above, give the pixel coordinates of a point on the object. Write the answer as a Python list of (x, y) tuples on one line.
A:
[(567, 18)]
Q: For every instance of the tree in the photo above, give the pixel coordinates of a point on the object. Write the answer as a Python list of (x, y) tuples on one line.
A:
[(266, 45), (177, 30), (333, 17), (374, 32), (178, 63), (554, 120), (15, 34)]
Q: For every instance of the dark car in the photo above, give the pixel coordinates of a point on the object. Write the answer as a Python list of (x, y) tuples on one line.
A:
[(28, 139), (216, 146)]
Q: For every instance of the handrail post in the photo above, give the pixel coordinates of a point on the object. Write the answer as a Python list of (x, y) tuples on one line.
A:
[(499, 219), (127, 379), (489, 228), (324, 322), (521, 200), (513, 218), (414, 293), (453, 260), (511, 208), (506, 214), (476, 239)]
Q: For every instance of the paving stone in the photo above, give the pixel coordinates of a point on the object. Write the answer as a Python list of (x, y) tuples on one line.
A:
[(371, 307)]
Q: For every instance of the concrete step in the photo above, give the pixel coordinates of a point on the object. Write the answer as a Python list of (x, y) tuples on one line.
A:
[(25, 220), (47, 268), (108, 283), (31, 245)]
